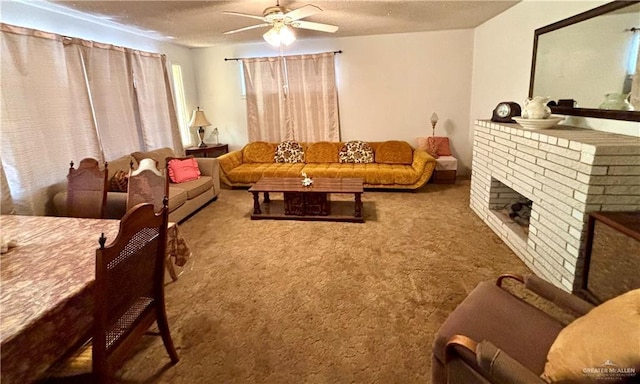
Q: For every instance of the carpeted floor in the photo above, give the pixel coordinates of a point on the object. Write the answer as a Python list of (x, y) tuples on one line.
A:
[(320, 302)]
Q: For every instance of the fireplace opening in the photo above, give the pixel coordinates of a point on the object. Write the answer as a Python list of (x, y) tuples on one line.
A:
[(511, 207)]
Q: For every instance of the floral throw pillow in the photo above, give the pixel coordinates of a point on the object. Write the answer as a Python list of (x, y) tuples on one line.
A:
[(119, 182), (356, 152), (289, 152)]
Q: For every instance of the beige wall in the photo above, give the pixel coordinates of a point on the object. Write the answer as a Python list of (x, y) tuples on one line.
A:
[(388, 85), (503, 47)]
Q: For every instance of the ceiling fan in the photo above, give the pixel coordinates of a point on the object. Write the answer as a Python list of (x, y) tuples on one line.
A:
[(280, 19)]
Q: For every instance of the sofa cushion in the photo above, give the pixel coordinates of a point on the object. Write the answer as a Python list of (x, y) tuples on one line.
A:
[(322, 152), (195, 188), (356, 152), (250, 173), (606, 337), (370, 173), (159, 155), (394, 152), (177, 197), (289, 152), (258, 152)]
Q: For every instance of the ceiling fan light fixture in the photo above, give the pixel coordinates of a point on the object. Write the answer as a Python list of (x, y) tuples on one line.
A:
[(279, 35), (286, 35)]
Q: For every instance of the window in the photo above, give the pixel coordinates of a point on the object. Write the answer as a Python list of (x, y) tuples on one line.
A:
[(181, 105)]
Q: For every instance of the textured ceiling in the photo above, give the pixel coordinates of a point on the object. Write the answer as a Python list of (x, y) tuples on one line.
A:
[(202, 23)]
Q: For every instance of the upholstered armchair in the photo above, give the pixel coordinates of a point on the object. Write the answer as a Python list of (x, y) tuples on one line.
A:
[(496, 336)]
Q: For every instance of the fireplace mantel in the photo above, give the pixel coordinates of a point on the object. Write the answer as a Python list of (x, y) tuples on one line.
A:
[(566, 172)]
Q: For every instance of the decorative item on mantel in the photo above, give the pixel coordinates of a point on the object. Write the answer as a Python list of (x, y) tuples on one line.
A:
[(617, 102), (536, 108), (434, 121), (198, 119), (549, 122), (306, 181), (536, 114)]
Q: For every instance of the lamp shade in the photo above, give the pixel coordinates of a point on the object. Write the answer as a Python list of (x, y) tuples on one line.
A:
[(198, 119), (279, 35), (434, 118)]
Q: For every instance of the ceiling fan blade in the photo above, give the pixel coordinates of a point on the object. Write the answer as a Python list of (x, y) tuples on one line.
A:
[(247, 28), (243, 15), (314, 26), (302, 12)]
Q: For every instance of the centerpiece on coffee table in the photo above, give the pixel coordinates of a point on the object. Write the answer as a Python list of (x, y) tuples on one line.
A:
[(306, 181)]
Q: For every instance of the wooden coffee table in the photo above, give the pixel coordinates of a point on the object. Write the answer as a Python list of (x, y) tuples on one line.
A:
[(310, 203)]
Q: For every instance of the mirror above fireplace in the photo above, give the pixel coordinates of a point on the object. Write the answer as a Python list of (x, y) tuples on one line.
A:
[(590, 58)]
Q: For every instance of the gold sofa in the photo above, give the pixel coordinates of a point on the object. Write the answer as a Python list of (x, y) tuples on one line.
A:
[(396, 165)]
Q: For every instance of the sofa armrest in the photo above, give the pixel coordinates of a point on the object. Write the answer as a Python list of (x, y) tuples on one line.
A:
[(550, 292), (423, 165), (210, 166), (421, 159), (492, 361), (228, 162)]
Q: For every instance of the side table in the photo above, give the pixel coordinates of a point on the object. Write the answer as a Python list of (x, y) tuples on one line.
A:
[(210, 150)]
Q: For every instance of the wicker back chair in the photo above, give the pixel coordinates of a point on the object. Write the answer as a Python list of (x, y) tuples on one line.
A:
[(147, 184), (87, 189), (129, 290)]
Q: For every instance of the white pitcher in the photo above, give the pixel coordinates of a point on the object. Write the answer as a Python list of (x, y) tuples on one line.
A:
[(536, 108)]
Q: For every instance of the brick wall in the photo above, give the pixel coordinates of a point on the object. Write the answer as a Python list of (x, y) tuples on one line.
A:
[(566, 172)]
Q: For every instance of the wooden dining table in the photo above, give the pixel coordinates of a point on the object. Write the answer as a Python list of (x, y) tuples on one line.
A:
[(46, 294)]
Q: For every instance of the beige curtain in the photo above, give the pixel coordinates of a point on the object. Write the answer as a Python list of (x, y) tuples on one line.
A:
[(113, 100), (292, 98), (313, 97), (6, 201), (46, 115), (635, 83), (49, 116), (266, 112), (158, 122)]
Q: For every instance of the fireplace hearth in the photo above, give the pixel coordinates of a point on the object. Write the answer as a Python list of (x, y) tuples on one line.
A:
[(510, 206), (556, 177)]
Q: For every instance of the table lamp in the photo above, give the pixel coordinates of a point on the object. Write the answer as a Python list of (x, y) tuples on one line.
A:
[(198, 119), (434, 121)]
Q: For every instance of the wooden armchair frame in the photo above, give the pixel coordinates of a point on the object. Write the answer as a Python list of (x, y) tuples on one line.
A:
[(480, 361)]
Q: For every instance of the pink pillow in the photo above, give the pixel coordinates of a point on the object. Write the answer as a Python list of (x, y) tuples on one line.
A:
[(441, 144), (181, 170)]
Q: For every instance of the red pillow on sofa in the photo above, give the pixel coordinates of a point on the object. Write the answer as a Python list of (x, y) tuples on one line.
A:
[(181, 170)]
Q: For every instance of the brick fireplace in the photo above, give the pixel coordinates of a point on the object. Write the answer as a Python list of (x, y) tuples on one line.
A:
[(566, 172)]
